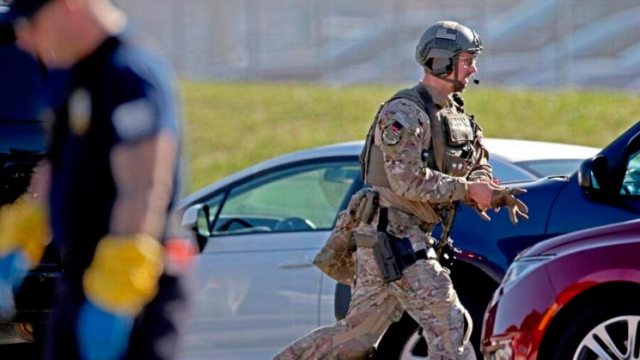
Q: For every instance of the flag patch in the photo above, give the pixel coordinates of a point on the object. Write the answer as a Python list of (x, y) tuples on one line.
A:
[(450, 34)]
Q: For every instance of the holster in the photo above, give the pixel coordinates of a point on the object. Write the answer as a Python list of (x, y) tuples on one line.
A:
[(394, 254), (386, 258)]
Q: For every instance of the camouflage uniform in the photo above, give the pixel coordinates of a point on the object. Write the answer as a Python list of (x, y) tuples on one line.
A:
[(412, 193)]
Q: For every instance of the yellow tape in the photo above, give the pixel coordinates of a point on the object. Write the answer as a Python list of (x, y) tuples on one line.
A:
[(24, 225), (123, 276)]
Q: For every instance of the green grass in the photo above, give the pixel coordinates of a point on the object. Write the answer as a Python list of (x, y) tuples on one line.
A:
[(232, 125)]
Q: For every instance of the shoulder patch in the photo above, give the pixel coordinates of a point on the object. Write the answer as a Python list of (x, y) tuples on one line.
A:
[(398, 124), (134, 119), (392, 133)]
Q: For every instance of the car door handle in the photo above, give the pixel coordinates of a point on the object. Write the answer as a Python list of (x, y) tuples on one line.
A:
[(295, 264)]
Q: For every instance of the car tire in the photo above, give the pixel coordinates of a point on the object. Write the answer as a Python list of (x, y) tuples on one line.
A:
[(401, 341), (589, 324)]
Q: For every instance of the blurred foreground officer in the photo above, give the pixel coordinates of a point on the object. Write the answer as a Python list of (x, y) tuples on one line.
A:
[(113, 179), (423, 154)]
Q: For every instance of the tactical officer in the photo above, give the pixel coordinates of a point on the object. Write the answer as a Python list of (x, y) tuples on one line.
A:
[(422, 155), (113, 175)]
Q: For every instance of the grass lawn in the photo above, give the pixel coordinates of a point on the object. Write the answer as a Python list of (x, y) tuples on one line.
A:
[(232, 125)]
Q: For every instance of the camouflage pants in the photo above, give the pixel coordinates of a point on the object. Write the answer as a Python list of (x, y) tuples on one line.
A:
[(425, 291)]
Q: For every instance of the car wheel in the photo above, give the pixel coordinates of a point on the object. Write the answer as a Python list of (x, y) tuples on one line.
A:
[(603, 330), (403, 340)]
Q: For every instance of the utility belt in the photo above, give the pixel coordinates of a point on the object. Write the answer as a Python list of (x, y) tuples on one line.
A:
[(394, 254)]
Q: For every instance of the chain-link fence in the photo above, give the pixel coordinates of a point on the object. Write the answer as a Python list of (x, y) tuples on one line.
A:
[(547, 43)]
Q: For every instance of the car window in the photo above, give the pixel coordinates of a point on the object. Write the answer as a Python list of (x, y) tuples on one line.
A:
[(551, 167), (296, 199), (212, 206), (507, 172), (631, 181)]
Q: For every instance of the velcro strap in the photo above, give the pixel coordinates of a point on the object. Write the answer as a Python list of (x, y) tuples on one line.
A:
[(383, 219), (422, 254)]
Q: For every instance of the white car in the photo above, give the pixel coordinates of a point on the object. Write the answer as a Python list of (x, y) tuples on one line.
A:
[(538, 158), (255, 288)]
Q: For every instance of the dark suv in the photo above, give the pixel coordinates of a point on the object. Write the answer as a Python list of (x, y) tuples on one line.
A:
[(605, 190), (21, 135), (22, 145)]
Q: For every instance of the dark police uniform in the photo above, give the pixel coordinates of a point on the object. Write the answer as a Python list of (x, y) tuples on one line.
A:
[(117, 95)]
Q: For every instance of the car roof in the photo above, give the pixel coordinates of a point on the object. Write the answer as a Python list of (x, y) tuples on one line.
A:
[(502, 149)]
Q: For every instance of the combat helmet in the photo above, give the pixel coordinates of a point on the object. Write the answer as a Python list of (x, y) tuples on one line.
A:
[(441, 43)]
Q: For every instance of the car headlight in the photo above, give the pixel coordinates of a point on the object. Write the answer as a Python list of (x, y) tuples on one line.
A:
[(523, 265)]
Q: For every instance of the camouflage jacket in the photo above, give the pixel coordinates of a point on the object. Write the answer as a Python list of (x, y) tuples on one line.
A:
[(420, 161)]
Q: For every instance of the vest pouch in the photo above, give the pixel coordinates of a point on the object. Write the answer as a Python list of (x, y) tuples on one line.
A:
[(455, 165), (336, 257), (458, 129)]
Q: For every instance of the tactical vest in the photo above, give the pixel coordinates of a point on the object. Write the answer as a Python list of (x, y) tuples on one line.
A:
[(452, 138)]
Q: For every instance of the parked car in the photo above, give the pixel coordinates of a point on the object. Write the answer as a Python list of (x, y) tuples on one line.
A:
[(572, 297), (22, 145), (538, 158), (21, 134), (257, 289)]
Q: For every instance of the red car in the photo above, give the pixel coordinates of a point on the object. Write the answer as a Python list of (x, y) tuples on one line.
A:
[(575, 296)]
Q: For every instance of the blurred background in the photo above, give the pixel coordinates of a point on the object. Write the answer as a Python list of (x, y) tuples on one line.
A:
[(590, 44)]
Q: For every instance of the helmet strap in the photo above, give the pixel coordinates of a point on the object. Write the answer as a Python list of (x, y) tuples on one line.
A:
[(457, 84)]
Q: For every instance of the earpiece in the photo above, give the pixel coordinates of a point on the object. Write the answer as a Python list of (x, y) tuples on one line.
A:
[(440, 66)]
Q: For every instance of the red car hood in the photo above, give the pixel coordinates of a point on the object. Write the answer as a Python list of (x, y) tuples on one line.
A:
[(594, 237)]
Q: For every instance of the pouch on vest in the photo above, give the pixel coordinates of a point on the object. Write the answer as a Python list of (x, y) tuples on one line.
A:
[(336, 256), (458, 129), (456, 163)]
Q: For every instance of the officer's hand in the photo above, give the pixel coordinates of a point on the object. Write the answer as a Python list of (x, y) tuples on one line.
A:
[(483, 214), (102, 335), (480, 193), (13, 268), (507, 197)]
